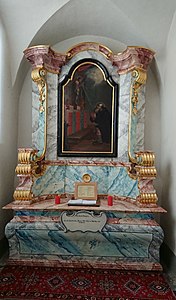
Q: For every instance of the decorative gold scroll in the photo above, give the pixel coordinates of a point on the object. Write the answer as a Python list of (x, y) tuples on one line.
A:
[(147, 198), (22, 169), (145, 158), (140, 77), (22, 195), (144, 172), (38, 76), (26, 158)]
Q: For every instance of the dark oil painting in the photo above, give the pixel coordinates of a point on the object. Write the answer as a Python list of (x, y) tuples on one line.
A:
[(87, 112)]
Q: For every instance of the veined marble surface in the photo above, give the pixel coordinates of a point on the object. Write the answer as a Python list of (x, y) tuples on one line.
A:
[(36, 121), (110, 180), (119, 183), (52, 116), (61, 179), (119, 244), (124, 81), (123, 116), (141, 120), (122, 204), (113, 71), (137, 124), (136, 244), (52, 182)]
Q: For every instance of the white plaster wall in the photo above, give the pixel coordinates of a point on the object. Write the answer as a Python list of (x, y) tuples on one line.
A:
[(168, 141), (8, 132), (152, 130), (22, 20), (114, 45), (17, 17)]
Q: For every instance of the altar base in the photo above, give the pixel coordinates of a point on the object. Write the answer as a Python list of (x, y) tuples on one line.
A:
[(130, 238)]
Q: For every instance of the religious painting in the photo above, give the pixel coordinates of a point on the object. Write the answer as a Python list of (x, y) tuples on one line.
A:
[(87, 112)]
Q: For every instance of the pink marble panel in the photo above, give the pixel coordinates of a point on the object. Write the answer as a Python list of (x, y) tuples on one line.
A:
[(31, 219), (146, 186), (118, 206), (25, 182), (132, 57), (44, 56), (67, 162), (122, 265), (132, 221)]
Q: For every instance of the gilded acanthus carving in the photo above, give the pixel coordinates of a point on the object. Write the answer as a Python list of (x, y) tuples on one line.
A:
[(38, 76), (140, 77)]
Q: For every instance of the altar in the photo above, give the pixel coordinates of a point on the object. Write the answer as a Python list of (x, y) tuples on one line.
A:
[(121, 237), (88, 108)]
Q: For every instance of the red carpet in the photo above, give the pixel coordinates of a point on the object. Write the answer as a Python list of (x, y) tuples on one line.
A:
[(22, 282)]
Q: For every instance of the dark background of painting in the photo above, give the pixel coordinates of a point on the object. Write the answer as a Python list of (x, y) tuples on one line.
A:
[(87, 84)]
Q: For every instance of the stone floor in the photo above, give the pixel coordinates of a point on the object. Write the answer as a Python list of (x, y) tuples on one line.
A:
[(168, 261)]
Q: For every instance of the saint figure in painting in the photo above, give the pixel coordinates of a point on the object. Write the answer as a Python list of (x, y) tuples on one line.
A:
[(102, 119)]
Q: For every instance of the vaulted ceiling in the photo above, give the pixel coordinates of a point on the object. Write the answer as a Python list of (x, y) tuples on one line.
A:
[(138, 22)]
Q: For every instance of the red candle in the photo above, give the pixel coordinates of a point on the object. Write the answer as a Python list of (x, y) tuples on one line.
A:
[(57, 199), (110, 201)]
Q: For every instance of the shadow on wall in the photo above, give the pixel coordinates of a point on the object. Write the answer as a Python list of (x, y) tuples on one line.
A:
[(152, 128), (167, 219), (6, 184)]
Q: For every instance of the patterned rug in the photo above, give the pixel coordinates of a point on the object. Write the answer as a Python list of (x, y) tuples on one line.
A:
[(24, 282)]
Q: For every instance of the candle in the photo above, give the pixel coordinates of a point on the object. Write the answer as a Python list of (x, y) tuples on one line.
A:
[(57, 199), (110, 201)]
